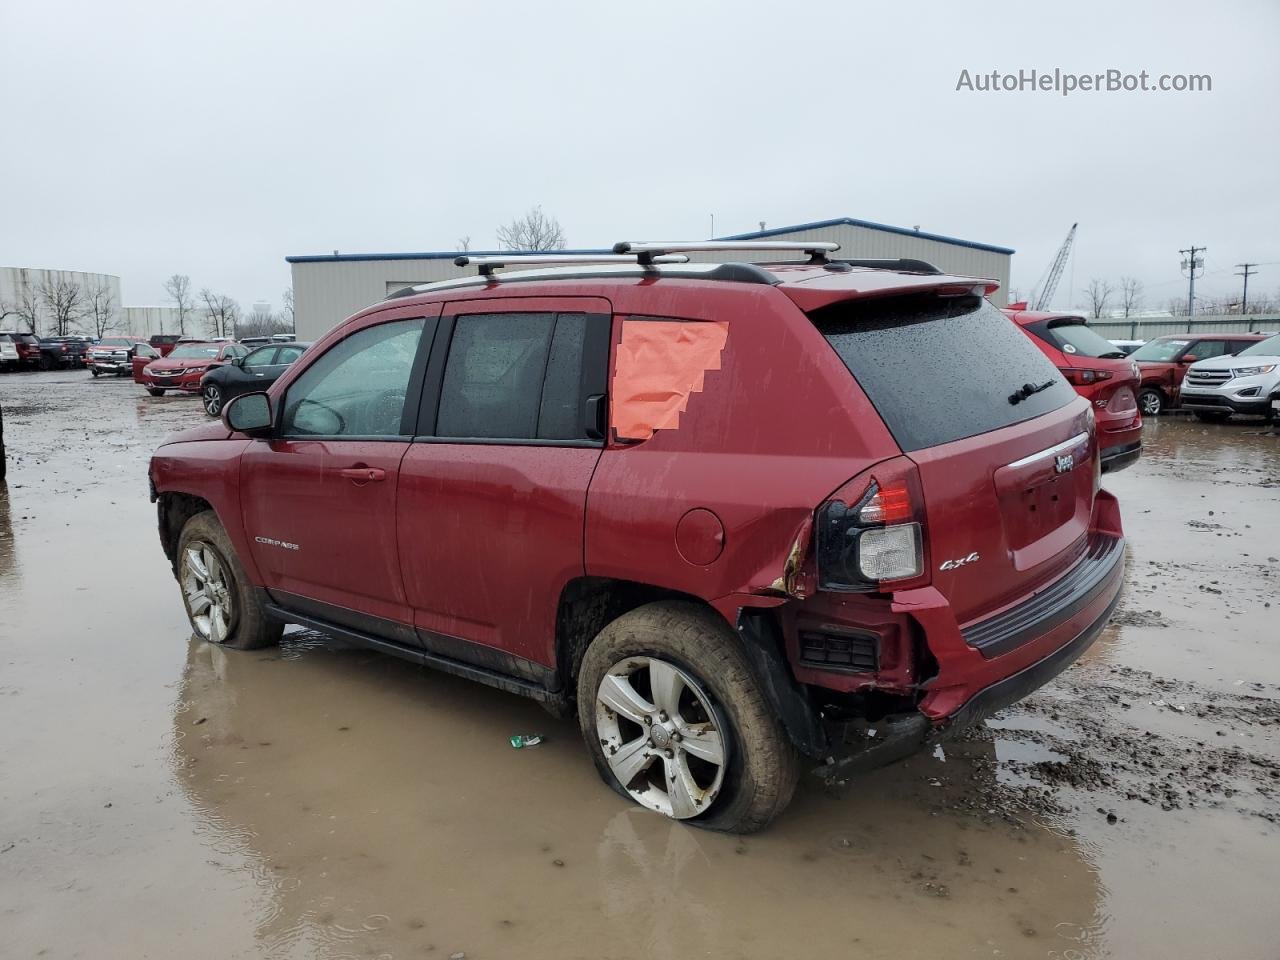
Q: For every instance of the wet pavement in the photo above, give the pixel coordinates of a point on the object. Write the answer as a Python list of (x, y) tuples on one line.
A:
[(160, 797)]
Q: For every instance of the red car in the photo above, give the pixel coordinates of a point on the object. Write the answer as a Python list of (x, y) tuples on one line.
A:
[(184, 366), (1163, 361), (737, 516), (1101, 373)]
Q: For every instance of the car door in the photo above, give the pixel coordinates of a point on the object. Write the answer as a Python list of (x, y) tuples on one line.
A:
[(255, 372), (319, 499), (493, 490), (1204, 350)]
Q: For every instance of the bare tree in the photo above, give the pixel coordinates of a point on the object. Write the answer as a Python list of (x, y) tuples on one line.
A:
[(65, 301), (1177, 306), (464, 243), (534, 231), (178, 287), (27, 306), (1099, 294), (262, 323), (1130, 295), (101, 309), (220, 312), (287, 314)]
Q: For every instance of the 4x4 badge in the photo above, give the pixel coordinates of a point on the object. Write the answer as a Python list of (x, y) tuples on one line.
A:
[(957, 564), (1064, 463)]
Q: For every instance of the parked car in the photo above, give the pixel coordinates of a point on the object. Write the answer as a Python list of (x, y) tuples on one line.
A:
[(28, 345), (256, 371), (62, 352), (9, 358), (115, 355), (1099, 371), (253, 341), (284, 337), (1246, 383), (185, 365), (163, 342), (1163, 362), (1127, 346), (733, 514)]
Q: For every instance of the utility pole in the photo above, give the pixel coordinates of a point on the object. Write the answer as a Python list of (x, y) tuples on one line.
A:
[(1191, 263), (1246, 270)]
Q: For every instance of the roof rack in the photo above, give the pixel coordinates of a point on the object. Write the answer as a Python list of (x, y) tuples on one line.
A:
[(487, 263), (649, 251)]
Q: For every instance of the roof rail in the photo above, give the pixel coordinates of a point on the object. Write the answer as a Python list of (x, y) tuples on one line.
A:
[(648, 251), (487, 263)]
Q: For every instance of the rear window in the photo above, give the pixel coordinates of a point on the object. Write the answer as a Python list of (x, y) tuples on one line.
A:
[(1071, 336), (941, 369)]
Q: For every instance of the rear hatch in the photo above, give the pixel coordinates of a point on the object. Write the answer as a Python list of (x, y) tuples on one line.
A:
[(1095, 366), (1003, 445)]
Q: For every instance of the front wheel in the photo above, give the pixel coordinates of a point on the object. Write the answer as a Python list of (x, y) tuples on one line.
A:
[(156, 391), (211, 396), (675, 720), (96, 372), (221, 603), (1150, 402)]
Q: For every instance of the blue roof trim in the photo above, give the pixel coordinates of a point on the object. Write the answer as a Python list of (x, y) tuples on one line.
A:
[(869, 225), (757, 235), (430, 255)]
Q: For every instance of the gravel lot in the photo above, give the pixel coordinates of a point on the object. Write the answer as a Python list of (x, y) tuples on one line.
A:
[(162, 798)]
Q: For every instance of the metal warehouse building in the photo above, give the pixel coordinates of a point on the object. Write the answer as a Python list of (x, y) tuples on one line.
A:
[(328, 289)]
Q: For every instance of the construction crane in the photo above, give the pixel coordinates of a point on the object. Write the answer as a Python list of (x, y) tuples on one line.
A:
[(1047, 288)]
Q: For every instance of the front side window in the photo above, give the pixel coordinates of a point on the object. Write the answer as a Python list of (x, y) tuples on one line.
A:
[(357, 388), (1204, 349), (513, 376), (262, 357)]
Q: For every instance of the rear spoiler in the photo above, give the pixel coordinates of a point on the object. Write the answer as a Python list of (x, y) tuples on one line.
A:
[(823, 291)]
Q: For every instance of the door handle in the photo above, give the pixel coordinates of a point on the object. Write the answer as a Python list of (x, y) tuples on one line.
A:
[(363, 474)]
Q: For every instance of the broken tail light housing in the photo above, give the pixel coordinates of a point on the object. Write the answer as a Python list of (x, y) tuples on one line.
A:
[(870, 533)]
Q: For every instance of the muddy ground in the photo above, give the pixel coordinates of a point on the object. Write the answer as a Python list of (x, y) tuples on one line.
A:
[(162, 798)]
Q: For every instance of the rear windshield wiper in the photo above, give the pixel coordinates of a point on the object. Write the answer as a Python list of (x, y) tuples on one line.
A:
[(1027, 389)]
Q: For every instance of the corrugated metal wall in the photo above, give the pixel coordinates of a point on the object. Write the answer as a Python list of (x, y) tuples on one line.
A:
[(330, 290), (14, 281), (148, 321), (1144, 328)]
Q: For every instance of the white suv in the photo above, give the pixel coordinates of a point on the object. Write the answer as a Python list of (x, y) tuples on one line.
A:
[(1248, 382)]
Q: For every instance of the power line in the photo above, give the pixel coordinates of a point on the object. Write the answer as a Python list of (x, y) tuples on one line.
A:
[(1191, 263), (1247, 270)]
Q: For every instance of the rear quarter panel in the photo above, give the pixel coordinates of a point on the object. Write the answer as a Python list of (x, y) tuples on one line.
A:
[(780, 426)]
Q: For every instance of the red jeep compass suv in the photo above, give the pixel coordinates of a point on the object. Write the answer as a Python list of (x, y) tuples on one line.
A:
[(734, 515), (1101, 373)]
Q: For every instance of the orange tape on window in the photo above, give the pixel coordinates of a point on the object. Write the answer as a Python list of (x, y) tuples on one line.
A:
[(661, 362)]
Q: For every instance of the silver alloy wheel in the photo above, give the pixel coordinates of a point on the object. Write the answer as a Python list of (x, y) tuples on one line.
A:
[(212, 400), (1150, 402), (661, 737), (206, 586)]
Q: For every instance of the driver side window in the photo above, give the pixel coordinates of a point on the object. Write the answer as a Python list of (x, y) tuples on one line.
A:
[(357, 389)]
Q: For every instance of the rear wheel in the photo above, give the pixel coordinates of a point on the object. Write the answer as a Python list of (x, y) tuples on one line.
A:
[(211, 396), (676, 721), (1212, 416), (1150, 402), (156, 391), (96, 372), (221, 603)]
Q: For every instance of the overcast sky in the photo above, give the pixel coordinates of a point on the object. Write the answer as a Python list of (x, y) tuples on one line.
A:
[(214, 139)]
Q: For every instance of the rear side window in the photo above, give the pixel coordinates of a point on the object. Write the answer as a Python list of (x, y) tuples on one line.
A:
[(1072, 337), (514, 376), (941, 369)]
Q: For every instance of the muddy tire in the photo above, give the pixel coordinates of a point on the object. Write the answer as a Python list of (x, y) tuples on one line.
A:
[(156, 391), (1212, 416), (1151, 402), (220, 601), (684, 657), (96, 372)]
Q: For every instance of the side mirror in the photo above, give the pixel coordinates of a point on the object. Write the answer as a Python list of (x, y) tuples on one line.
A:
[(237, 361), (249, 413)]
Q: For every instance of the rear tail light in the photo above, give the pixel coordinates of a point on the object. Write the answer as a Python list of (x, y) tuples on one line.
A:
[(1082, 378), (870, 533)]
